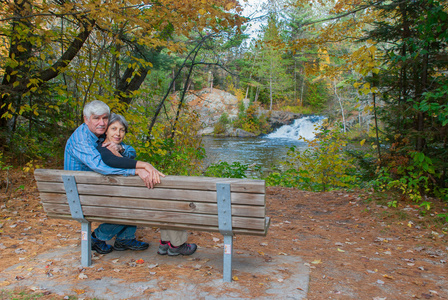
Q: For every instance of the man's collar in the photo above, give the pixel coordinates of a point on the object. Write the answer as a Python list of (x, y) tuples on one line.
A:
[(102, 138)]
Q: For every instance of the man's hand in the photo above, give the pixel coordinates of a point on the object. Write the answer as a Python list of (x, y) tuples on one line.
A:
[(114, 148), (148, 174)]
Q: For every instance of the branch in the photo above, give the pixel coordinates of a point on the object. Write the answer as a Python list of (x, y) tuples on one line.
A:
[(343, 14)]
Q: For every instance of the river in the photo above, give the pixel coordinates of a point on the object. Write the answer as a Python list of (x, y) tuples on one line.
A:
[(267, 151)]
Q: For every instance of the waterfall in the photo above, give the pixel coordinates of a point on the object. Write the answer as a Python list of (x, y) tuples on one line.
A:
[(306, 127)]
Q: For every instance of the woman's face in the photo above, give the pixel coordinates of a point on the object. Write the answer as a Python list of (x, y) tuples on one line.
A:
[(115, 133)]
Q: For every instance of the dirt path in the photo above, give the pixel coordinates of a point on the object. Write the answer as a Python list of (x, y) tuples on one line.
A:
[(356, 248)]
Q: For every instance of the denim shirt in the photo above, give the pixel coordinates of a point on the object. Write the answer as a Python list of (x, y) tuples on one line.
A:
[(81, 154)]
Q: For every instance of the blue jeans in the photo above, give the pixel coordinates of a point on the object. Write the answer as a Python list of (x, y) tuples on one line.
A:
[(107, 231)]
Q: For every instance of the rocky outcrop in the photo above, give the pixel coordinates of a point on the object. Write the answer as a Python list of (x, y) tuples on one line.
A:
[(212, 103), (278, 118)]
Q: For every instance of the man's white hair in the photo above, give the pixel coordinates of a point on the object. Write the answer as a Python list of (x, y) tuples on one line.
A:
[(96, 107)]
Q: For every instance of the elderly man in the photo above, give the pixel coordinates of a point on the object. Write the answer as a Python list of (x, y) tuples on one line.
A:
[(81, 155)]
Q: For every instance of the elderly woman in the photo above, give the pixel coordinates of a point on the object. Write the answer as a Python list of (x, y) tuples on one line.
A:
[(172, 242)]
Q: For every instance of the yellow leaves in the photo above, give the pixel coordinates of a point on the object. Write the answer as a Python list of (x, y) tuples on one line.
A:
[(316, 261), (362, 142), (202, 11), (230, 5), (235, 278), (340, 250)]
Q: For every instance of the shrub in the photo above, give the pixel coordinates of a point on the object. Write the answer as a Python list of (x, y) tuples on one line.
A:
[(322, 166)]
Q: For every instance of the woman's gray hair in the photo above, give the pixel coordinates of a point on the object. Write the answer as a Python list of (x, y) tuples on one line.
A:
[(96, 107), (120, 119)]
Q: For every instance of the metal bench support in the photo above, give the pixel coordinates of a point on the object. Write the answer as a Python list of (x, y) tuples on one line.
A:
[(225, 226), (77, 214)]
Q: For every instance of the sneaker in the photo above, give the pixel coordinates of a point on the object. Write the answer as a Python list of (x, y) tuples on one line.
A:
[(100, 246), (121, 245), (184, 249), (163, 248)]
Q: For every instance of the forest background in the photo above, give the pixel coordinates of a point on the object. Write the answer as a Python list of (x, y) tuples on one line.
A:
[(380, 63)]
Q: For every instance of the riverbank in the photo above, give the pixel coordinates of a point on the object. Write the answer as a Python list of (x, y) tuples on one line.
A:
[(353, 244)]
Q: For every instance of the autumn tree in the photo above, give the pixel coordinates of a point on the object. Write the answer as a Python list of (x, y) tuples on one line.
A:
[(57, 55)]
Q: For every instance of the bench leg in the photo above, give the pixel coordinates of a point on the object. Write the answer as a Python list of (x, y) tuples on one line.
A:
[(86, 244), (227, 261)]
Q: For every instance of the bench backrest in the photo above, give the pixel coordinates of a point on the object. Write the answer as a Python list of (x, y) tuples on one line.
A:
[(179, 202)]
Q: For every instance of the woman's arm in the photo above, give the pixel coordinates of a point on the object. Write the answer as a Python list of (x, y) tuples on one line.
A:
[(116, 161)]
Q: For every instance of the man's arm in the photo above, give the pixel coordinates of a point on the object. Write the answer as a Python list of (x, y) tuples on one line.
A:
[(87, 154), (129, 151)]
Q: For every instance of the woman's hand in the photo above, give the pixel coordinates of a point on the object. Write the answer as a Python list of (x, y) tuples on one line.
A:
[(116, 149)]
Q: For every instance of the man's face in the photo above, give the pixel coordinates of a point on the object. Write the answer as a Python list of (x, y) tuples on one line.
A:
[(97, 123)]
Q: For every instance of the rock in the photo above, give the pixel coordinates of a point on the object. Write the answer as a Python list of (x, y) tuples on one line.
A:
[(279, 118), (238, 132), (211, 105)]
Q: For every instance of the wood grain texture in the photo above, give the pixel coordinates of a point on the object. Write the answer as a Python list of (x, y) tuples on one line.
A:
[(179, 202)]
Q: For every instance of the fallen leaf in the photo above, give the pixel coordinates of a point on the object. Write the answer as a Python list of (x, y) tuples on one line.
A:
[(388, 276), (153, 266), (316, 261), (115, 261), (261, 252), (235, 278), (5, 283), (79, 292), (215, 239), (282, 253), (82, 276), (139, 261), (340, 250)]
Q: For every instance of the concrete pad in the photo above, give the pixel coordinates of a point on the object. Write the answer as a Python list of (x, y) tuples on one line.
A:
[(281, 276)]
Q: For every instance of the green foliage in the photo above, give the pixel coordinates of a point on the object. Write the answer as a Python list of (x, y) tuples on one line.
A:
[(414, 178), (250, 121), (220, 126), (322, 166), (178, 155), (306, 110), (225, 170), (414, 90), (317, 95)]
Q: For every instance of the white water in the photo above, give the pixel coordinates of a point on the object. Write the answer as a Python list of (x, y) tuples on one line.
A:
[(306, 127)]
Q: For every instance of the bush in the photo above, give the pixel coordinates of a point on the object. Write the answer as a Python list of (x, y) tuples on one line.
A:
[(225, 170), (221, 125), (324, 165)]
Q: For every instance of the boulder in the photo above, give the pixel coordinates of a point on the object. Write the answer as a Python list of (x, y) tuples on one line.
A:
[(278, 118)]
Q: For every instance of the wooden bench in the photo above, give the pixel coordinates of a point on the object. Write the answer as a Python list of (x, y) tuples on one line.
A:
[(225, 205)]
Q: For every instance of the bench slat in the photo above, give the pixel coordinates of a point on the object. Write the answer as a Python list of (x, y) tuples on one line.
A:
[(156, 193), (182, 182), (150, 223), (157, 216), (156, 204)]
